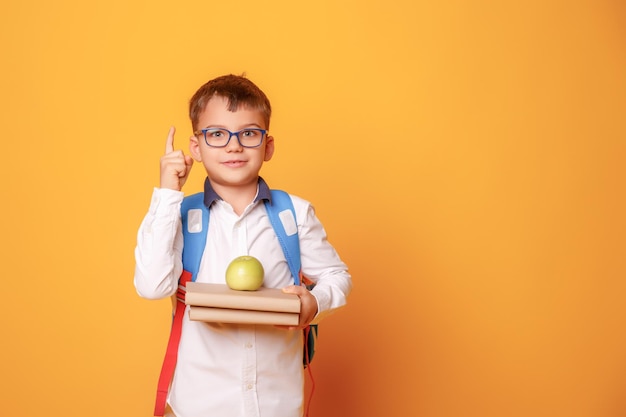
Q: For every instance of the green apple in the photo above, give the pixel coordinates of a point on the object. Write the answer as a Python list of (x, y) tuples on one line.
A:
[(245, 273)]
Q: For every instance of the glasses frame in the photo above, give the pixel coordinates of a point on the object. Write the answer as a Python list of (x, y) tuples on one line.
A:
[(230, 135)]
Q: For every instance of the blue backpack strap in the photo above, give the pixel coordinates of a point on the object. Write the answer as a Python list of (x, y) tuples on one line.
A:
[(282, 215), (195, 219)]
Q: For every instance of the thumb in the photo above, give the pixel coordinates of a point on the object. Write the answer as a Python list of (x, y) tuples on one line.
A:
[(293, 289), (188, 164)]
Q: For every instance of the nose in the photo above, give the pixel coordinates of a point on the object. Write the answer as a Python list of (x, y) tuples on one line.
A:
[(233, 144)]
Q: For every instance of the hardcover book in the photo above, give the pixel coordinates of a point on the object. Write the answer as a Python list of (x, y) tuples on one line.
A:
[(229, 315), (221, 296)]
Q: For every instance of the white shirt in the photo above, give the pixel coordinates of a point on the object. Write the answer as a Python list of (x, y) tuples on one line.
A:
[(227, 369)]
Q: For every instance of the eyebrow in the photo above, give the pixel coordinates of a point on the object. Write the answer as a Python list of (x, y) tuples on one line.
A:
[(248, 126)]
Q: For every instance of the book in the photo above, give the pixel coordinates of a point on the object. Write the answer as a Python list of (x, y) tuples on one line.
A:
[(229, 315), (220, 295)]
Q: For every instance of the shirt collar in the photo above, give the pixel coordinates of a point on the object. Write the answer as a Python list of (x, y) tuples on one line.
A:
[(210, 196)]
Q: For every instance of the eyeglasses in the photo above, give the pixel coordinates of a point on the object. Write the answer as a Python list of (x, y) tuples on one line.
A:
[(219, 138)]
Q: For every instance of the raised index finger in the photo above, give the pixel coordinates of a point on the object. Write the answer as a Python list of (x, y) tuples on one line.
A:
[(169, 144)]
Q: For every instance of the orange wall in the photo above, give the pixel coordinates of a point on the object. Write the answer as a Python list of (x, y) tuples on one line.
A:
[(467, 159)]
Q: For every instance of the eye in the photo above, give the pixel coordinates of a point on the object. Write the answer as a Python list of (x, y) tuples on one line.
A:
[(250, 133), (216, 133)]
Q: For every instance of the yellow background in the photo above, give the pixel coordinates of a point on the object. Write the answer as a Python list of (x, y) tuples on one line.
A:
[(466, 158)]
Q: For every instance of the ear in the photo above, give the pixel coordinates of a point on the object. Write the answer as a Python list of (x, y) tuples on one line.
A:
[(269, 148), (194, 148)]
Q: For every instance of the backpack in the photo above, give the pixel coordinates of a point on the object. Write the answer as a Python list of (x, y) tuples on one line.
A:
[(195, 222)]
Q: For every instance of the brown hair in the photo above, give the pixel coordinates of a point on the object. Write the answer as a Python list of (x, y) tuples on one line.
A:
[(237, 89)]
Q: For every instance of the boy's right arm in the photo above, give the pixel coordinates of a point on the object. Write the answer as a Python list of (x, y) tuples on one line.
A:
[(158, 254)]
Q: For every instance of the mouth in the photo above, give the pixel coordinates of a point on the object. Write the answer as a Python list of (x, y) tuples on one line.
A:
[(235, 163)]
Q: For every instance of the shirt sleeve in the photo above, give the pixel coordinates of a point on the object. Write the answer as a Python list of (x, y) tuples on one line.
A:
[(322, 265), (158, 254)]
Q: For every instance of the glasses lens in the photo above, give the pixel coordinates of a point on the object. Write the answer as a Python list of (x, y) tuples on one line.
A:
[(216, 137), (251, 137)]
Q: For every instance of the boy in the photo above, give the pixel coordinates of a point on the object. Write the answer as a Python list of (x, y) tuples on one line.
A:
[(228, 369)]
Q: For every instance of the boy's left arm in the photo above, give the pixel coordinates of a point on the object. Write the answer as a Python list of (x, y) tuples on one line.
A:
[(322, 265)]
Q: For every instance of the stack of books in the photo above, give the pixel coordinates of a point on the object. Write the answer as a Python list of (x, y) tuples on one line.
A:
[(218, 303)]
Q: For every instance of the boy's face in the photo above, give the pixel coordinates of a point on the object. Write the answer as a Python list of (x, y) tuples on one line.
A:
[(232, 165)]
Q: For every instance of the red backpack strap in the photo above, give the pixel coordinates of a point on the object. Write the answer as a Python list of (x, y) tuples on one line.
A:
[(171, 354), (195, 223)]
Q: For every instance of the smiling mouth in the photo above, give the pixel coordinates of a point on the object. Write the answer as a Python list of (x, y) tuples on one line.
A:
[(234, 163)]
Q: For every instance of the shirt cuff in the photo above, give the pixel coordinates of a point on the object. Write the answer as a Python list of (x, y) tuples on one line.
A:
[(318, 316), (165, 201)]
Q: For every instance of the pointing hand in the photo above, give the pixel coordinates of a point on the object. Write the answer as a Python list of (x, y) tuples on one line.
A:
[(175, 165)]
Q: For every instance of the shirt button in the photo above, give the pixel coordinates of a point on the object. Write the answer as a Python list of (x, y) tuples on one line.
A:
[(249, 386), (248, 345)]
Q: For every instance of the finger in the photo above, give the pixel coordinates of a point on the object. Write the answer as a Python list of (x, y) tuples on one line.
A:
[(282, 326), (169, 143), (188, 161), (294, 289)]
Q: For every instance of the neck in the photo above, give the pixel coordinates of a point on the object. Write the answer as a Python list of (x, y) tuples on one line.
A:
[(238, 197)]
